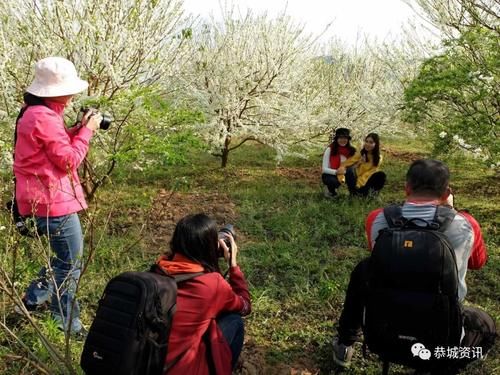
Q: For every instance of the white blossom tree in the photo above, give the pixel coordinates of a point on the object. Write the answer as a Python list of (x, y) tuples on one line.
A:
[(123, 48), (452, 17), (360, 89), (245, 74)]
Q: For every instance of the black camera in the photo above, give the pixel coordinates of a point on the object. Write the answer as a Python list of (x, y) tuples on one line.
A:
[(106, 119), (24, 225), (224, 233)]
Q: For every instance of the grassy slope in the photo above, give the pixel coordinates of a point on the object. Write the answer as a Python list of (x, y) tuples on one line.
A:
[(297, 249)]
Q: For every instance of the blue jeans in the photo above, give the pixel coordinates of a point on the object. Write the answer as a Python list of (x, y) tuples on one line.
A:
[(233, 329), (66, 240)]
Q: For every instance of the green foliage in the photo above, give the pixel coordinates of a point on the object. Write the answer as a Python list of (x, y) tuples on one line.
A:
[(297, 249), (147, 131), (456, 94)]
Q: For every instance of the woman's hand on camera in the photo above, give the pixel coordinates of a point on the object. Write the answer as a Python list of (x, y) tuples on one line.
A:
[(233, 253), (92, 120)]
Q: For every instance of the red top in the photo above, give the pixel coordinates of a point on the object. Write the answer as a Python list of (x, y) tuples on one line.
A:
[(478, 255), (335, 159), (199, 302)]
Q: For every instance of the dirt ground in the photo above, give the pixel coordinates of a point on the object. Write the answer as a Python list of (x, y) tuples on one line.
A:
[(406, 156), (252, 362), (312, 176), (167, 208)]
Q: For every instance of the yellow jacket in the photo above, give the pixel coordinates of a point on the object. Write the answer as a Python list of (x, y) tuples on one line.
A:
[(364, 169)]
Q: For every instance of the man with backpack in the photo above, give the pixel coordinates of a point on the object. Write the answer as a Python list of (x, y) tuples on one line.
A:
[(407, 296)]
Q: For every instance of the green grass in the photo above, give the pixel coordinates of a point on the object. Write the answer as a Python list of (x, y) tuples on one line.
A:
[(297, 248)]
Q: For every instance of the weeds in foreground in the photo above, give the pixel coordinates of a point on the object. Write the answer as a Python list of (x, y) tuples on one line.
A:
[(297, 250)]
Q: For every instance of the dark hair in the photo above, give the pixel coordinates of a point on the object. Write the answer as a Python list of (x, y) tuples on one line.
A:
[(428, 177), (376, 149), (196, 237), (30, 99), (342, 132)]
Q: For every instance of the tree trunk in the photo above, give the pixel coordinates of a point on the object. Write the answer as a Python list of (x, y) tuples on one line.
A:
[(90, 182), (86, 179), (225, 152)]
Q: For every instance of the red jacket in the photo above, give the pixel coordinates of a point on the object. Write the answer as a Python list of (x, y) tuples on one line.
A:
[(199, 302)]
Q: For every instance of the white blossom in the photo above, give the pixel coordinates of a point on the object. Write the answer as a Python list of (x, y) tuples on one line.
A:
[(247, 74)]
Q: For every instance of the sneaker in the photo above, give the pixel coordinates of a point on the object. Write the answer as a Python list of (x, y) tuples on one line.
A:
[(30, 307), (342, 354), (80, 335), (327, 194)]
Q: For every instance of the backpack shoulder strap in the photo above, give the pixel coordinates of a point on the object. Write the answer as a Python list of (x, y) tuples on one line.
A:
[(394, 216), (155, 268), (186, 276), (444, 216)]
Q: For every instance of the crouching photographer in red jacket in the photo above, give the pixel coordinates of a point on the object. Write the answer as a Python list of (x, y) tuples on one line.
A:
[(207, 328)]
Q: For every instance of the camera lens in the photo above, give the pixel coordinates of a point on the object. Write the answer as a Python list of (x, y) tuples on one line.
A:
[(105, 122), (224, 233)]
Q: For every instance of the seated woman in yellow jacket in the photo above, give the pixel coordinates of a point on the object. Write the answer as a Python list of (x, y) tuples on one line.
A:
[(363, 175)]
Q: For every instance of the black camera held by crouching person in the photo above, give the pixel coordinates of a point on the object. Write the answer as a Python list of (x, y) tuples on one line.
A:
[(224, 233), (106, 119)]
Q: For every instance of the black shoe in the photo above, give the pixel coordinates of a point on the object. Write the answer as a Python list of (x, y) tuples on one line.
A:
[(354, 193), (31, 308), (81, 335), (328, 194)]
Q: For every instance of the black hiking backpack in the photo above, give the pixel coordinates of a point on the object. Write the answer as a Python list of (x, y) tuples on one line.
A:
[(412, 295), (129, 334)]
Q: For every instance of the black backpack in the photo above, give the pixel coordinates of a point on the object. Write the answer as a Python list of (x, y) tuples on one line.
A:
[(412, 294), (129, 334)]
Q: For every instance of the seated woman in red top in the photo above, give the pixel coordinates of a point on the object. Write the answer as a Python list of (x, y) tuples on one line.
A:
[(207, 328)]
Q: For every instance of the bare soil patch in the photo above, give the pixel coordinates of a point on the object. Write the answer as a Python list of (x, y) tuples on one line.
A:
[(169, 207), (252, 362), (407, 156), (310, 175)]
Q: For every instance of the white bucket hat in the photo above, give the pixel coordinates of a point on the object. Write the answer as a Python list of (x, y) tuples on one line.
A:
[(56, 76)]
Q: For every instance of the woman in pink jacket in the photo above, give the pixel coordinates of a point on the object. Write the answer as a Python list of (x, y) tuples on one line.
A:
[(46, 159)]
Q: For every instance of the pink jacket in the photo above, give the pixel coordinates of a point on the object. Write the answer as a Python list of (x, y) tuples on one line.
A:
[(47, 156)]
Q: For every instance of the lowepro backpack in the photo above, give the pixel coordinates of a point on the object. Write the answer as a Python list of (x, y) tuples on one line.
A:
[(129, 334), (412, 290)]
